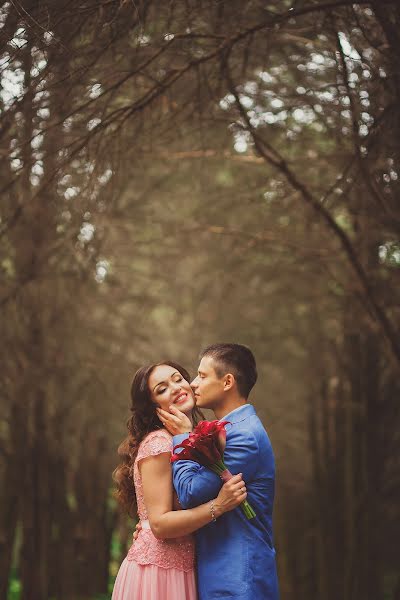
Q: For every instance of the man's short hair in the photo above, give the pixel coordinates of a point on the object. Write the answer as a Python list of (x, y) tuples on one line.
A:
[(236, 359)]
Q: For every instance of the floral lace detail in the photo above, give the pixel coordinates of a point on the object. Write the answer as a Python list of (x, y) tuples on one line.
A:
[(175, 553)]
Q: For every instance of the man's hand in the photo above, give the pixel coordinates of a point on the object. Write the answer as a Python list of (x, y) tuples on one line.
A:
[(174, 421), (138, 529), (232, 493)]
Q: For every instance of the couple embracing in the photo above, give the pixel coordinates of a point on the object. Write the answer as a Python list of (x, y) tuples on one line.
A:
[(228, 556)]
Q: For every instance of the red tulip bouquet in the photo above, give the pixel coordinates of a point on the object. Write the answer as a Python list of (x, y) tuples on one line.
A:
[(205, 445)]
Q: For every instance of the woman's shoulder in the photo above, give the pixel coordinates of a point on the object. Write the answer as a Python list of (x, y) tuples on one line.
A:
[(155, 442), (157, 434)]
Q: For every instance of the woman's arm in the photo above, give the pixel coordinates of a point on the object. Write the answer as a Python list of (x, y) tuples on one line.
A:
[(156, 475)]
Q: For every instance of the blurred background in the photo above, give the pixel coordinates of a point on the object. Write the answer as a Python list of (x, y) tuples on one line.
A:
[(175, 174)]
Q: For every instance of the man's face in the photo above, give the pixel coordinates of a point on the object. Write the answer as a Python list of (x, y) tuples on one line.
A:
[(208, 388)]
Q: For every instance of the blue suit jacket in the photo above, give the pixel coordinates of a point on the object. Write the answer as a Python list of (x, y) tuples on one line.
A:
[(235, 556)]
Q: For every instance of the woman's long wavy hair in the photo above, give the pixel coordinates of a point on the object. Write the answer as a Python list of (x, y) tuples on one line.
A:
[(144, 419)]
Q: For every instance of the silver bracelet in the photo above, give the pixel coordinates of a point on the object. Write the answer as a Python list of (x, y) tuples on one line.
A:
[(212, 509)]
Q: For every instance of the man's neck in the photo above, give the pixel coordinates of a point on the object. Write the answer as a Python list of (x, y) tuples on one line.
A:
[(228, 406)]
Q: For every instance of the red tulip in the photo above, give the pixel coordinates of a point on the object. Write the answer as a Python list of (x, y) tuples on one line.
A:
[(188, 452), (209, 427)]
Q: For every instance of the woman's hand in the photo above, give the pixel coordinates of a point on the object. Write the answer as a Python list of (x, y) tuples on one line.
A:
[(174, 421), (138, 529), (232, 493)]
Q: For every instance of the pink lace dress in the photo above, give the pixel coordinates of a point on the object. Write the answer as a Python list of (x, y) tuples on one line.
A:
[(155, 569)]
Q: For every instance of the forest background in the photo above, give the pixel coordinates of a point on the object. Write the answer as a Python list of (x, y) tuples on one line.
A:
[(175, 174)]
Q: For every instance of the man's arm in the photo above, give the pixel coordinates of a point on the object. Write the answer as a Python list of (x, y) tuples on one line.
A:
[(196, 484), (193, 483)]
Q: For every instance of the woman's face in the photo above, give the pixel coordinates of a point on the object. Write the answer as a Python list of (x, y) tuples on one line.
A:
[(167, 386)]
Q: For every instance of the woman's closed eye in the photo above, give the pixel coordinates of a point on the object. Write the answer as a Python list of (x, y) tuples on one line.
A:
[(162, 390)]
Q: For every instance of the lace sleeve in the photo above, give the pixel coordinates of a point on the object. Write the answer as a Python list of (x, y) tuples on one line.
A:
[(155, 443)]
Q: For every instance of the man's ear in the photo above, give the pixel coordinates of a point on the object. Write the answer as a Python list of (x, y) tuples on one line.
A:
[(229, 382)]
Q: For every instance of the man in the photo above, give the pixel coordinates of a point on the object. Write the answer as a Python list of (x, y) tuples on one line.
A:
[(235, 556)]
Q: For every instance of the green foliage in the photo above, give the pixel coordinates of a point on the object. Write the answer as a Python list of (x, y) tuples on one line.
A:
[(14, 587)]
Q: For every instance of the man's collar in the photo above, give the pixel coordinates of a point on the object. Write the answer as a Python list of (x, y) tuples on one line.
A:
[(240, 413)]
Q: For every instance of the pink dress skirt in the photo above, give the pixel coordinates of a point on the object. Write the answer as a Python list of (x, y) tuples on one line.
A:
[(155, 569), (151, 582)]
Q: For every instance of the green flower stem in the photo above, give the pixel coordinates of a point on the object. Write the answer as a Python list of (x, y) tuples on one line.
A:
[(248, 510)]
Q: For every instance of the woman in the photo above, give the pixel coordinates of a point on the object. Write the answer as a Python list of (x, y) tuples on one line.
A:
[(160, 563)]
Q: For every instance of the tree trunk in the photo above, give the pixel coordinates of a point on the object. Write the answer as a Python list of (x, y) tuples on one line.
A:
[(8, 524)]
